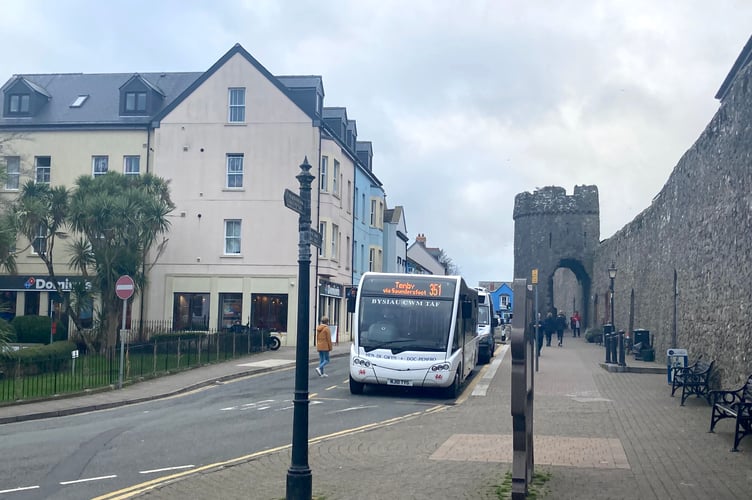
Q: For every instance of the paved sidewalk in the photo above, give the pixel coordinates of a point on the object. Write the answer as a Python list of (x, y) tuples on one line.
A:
[(600, 435)]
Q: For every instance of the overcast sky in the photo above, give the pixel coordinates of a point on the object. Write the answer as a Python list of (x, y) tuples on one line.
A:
[(467, 103)]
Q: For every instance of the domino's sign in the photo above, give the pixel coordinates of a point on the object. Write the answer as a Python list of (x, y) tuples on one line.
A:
[(40, 284)]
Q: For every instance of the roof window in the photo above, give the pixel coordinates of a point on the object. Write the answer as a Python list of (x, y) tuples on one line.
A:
[(79, 101)]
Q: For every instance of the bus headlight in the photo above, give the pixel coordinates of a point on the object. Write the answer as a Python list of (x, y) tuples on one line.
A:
[(441, 367), (361, 362)]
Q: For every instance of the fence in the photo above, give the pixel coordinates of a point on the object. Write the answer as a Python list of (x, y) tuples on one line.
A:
[(24, 379)]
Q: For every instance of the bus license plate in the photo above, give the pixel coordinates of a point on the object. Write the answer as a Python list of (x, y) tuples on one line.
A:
[(393, 381)]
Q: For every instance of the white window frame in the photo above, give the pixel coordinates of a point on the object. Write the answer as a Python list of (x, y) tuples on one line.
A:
[(335, 242), (322, 231), (97, 162), (236, 105), (233, 231), (42, 173), (12, 172), (335, 178), (371, 259), (39, 239), (373, 212), (323, 180), (128, 164), (235, 169)]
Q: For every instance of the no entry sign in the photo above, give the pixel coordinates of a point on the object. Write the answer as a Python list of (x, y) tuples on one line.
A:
[(124, 287)]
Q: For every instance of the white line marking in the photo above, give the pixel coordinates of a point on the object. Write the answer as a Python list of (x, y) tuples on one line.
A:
[(88, 479), (364, 407), (482, 388), (22, 488), (178, 467)]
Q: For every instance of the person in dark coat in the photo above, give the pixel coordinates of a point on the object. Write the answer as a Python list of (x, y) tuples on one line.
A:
[(561, 325), (538, 332), (549, 327)]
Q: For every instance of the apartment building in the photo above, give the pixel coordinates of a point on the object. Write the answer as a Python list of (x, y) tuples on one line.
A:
[(230, 140)]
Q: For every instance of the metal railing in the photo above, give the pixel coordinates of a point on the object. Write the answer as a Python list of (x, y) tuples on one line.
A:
[(23, 379)]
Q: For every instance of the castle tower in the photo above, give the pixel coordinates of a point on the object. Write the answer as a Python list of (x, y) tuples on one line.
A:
[(554, 231)]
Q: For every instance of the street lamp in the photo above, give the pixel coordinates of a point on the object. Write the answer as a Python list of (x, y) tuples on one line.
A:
[(610, 352), (612, 277)]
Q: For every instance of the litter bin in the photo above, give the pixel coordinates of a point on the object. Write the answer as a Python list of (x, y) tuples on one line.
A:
[(641, 338), (675, 358)]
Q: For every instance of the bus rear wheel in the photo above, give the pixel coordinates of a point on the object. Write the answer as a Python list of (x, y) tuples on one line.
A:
[(356, 387)]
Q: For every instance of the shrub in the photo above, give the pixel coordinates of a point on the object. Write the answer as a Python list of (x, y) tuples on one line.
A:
[(35, 329), (594, 335), (7, 332), (41, 359)]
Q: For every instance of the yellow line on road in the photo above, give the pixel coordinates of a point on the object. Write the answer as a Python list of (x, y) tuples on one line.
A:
[(137, 489)]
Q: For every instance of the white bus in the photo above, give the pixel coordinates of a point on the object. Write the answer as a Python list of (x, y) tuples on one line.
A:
[(413, 330)]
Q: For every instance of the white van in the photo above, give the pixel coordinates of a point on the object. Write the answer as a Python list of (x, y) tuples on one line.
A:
[(487, 321)]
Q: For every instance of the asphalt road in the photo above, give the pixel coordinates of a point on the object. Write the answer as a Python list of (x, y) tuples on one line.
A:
[(87, 455)]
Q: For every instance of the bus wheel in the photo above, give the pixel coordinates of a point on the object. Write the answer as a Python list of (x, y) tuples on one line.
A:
[(453, 391), (356, 387)]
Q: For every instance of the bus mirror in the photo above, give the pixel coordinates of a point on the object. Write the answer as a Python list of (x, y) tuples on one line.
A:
[(467, 309), (352, 293)]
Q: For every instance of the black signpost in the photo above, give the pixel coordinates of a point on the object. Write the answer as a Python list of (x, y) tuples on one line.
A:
[(299, 478)]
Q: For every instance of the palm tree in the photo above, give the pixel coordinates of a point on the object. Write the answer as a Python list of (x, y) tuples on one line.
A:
[(122, 218)]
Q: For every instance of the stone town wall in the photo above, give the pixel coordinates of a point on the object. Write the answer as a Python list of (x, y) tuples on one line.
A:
[(700, 227)]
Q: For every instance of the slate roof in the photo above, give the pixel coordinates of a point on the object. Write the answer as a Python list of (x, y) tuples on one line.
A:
[(103, 104)]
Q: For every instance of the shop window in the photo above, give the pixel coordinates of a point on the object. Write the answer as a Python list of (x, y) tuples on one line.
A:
[(231, 307), (190, 311), (7, 305), (31, 304), (269, 311)]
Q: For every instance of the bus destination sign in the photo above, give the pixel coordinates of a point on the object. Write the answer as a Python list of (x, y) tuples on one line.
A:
[(412, 287)]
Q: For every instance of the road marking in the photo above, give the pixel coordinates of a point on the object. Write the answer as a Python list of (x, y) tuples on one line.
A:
[(137, 489), (88, 479), (165, 469), (22, 488), (482, 388), (353, 408)]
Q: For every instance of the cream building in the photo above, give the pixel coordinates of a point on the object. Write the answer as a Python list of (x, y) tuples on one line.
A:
[(230, 141)]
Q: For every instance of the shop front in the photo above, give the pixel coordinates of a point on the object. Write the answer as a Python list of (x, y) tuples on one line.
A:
[(330, 305)]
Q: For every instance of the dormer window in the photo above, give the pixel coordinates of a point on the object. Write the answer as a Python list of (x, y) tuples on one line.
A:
[(135, 102), (18, 104)]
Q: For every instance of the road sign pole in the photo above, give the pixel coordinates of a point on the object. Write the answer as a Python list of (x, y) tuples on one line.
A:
[(124, 288), (299, 477), (122, 344)]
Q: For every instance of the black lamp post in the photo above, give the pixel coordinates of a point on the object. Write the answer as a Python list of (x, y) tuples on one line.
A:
[(612, 277), (299, 480)]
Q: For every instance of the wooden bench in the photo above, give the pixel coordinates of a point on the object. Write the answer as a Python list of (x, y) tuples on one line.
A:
[(734, 404), (693, 379)]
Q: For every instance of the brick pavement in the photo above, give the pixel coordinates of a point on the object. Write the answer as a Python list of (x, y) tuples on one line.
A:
[(600, 435)]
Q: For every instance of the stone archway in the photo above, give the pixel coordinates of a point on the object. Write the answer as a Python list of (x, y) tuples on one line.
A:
[(554, 230)]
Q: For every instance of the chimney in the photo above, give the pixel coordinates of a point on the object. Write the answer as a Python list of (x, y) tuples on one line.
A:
[(421, 238)]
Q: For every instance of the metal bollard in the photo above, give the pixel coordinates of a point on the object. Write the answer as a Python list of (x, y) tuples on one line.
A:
[(622, 361), (607, 344)]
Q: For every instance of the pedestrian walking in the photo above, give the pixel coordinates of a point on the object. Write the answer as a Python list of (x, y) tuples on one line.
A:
[(561, 325), (323, 345), (549, 327), (574, 322), (538, 331)]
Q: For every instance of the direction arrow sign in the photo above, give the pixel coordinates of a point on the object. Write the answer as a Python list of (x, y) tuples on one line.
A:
[(124, 287), (315, 238), (294, 202)]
